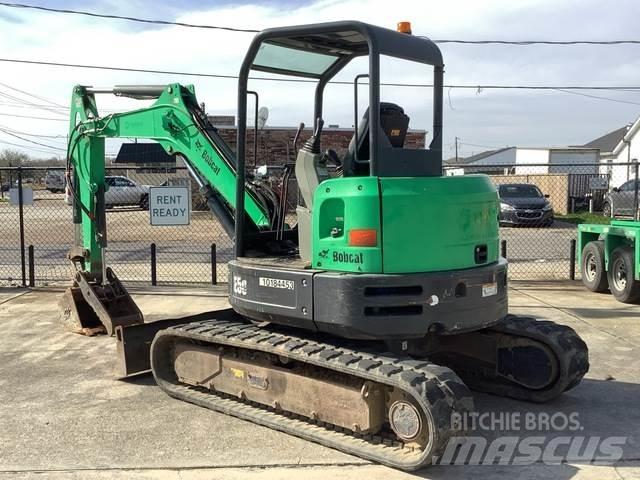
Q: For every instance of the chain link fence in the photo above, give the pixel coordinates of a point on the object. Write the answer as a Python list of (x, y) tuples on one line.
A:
[(191, 254), (541, 206)]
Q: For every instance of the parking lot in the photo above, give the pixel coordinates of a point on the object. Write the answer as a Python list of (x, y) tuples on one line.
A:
[(65, 415)]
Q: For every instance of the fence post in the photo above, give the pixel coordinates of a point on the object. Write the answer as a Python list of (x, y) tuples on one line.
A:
[(154, 266), (1, 185), (21, 213), (503, 248), (572, 259), (32, 267), (214, 265)]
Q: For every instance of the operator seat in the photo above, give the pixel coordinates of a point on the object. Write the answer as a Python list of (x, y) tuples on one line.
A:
[(394, 124)]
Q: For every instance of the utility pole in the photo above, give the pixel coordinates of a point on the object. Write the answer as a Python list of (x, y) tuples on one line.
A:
[(457, 149)]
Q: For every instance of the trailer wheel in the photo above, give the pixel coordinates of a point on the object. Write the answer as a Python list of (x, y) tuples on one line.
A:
[(594, 275), (622, 283)]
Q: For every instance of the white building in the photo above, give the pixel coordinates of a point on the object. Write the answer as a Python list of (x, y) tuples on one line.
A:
[(520, 160), (622, 146)]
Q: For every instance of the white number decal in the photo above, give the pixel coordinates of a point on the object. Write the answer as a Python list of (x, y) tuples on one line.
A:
[(276, 283)]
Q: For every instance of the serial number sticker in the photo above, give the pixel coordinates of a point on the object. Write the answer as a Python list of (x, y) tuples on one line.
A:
[(489, 289), (276, 283)]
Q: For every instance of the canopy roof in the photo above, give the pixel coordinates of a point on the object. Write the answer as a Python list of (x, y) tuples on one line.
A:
[(317, 49)]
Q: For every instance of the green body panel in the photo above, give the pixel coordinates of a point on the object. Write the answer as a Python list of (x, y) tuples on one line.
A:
[(424, 224), (340, 205), (434, 224), (168, 121), (616, 234)]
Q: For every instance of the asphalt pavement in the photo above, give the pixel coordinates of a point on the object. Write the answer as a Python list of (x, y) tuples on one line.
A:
[(64, 416)]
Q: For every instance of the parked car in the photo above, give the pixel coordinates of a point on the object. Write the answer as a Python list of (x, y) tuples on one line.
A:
[(124, 191), (26, 182), (619, 201), (524, 204), (54, 181)]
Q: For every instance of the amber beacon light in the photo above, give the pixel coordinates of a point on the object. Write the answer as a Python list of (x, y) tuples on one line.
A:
[(404, 27)]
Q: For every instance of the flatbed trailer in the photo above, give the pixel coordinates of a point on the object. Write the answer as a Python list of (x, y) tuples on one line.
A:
[(609, 256)]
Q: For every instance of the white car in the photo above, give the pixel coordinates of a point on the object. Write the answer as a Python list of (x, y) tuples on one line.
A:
[(124, 191)]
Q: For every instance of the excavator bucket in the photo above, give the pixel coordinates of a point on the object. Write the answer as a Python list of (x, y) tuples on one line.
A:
[(91, 308)]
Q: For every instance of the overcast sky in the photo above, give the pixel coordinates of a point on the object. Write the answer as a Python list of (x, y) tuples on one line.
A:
[(487, 117)]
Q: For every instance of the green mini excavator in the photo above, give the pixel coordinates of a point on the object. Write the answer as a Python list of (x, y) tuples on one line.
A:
[(362, 325)]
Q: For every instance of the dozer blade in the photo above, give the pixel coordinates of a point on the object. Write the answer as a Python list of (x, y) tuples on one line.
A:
[(90, 308), (133, 342)]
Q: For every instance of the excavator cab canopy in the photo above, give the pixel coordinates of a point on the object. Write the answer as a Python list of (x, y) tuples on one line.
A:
[(320, 51), (323, 49)]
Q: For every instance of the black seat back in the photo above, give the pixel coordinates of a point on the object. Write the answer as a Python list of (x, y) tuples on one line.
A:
[(394, 124)]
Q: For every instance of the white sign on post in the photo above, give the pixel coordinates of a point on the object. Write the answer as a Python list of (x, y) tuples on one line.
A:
[(598, 183), (169, 205), (27, 196)]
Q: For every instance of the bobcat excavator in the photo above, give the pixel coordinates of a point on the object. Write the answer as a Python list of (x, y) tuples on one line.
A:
[(361, 326)]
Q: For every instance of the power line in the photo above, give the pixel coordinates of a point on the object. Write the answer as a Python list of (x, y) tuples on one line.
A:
[(55, 137), (33, 95), (337, 82), (126, 69), (130, 19), (3, 114), (597, 97), (27, 102), (20, 105), (251, 30), (31, 141), (4, 142), (539, 42)]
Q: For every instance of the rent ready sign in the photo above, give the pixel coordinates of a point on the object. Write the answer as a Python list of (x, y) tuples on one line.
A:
[(169, 205)]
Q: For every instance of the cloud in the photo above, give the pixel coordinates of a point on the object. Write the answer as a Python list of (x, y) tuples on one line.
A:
[(489, 117)]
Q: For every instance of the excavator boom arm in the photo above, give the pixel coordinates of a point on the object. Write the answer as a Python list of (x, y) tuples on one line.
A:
[(177, 123)]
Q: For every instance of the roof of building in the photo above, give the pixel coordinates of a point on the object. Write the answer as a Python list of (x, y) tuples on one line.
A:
[(143, 153), (609, 141), (476, 157)]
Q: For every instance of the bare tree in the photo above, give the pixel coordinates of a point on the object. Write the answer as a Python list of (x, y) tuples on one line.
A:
[(13, 158)]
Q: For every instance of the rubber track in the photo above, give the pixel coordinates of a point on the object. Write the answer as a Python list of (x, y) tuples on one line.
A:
[(436, 389), (570, 351)]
